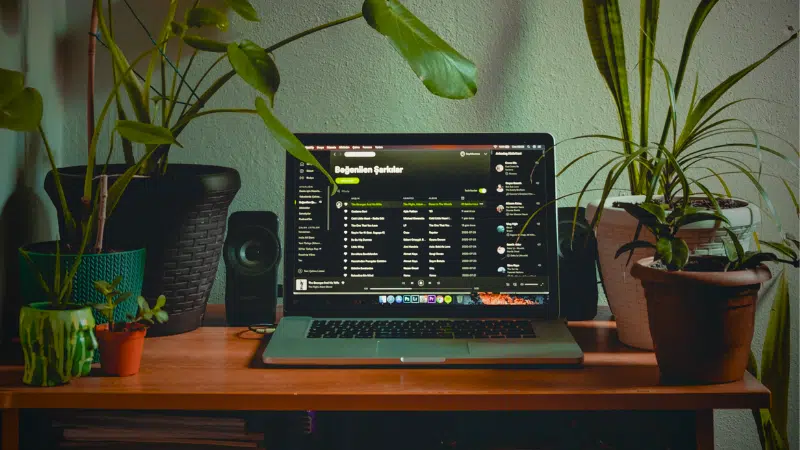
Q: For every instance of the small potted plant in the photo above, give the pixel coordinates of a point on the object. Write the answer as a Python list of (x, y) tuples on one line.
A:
[(701, 307), (57, 336), (122, 343)]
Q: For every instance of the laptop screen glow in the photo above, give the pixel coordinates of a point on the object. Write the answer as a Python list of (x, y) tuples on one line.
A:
[(414, 225)]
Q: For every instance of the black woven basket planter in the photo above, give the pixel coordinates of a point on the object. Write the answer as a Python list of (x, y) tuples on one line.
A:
[(180, 218)]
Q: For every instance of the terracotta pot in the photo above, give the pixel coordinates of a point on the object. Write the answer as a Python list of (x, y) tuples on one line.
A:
[(121, 351), (625, 295), (701, 322)]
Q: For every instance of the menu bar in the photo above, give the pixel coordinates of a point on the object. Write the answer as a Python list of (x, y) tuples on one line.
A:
[(429, 147)]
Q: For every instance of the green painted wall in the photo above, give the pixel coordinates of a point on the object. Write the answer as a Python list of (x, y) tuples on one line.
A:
[(25, 214), (536, 74)]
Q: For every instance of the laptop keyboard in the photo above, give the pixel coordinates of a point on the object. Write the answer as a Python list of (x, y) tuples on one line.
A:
[(420, 329)]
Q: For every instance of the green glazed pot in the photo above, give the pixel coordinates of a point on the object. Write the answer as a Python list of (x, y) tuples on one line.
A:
[(58, 344)]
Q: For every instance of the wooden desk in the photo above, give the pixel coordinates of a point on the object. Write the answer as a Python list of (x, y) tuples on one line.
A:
[(217, 368)]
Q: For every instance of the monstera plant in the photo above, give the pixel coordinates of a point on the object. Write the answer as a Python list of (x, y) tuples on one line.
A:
[(178, 211)]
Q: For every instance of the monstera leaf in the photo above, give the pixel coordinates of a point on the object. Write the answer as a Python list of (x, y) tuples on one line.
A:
[(289, 141), (256, 67), (443, 70), (20, 107), (244, 9)]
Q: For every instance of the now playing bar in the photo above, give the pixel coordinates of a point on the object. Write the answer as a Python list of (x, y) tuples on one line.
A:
[(355, 285)]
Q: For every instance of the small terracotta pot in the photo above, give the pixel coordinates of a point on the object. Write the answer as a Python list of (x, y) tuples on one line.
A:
[(121, 351), (701, 322)]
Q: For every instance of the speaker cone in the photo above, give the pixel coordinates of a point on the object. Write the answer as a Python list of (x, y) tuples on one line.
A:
[(254, 250)]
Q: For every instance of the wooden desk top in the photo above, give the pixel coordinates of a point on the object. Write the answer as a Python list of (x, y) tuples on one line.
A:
[(216, 368)]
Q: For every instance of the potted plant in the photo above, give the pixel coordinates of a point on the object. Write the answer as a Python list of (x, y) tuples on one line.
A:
[(676, 167), (56, 334), (57, 338), (21, 110), (179, 211), (701, 307), (122, 342)]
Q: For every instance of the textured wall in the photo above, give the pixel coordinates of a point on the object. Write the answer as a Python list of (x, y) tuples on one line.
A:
[(536, 74)]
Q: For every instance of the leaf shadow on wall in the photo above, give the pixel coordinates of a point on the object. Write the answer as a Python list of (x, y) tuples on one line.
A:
[(20, 224), (494, 81), (10, 16), (72, 46)]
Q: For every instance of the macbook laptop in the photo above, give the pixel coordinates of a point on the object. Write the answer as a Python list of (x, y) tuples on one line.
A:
[(417, 259)]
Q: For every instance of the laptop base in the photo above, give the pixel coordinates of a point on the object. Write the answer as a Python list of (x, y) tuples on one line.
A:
[(553, 345)]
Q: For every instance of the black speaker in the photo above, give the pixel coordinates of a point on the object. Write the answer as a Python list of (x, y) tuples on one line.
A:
[(252, 252), (577, 269)]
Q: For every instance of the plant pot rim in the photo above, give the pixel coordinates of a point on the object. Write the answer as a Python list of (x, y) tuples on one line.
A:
[(139, 329), (71, 254), (743, 216), (610, 200), (79, 171), (641, 270), (46, 306)]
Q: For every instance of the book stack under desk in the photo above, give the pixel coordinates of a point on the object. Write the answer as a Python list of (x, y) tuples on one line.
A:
[(152, 431)]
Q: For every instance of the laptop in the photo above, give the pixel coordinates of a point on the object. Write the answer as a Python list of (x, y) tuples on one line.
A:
[(418, 258)]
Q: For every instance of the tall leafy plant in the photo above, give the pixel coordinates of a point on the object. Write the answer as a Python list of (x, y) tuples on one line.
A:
[(159, 110), (21, 110), (680, 161)]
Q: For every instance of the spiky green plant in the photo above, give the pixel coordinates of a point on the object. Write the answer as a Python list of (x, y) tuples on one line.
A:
[(680, 162)]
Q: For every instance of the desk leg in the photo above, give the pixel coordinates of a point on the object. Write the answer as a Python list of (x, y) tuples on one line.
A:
[(704, 429), (10, 429)]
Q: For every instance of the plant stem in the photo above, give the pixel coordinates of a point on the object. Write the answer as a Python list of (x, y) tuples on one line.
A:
[(99, 127), (90, 75), (110, 152), (69, 220), (163, 100), (313, 30), (188, 119), (172, 96), (152, 39), (101, 214), (217, 85), (200, 81), (180, 87), (274, 47), (138, 75)]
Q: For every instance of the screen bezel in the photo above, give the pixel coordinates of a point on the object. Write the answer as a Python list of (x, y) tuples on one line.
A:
[(547, 311)]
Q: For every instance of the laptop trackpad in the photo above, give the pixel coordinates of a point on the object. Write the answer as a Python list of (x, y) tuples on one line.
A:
[(399, 348)]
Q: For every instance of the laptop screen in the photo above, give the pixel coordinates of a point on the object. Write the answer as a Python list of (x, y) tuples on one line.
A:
[(428, 227)]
